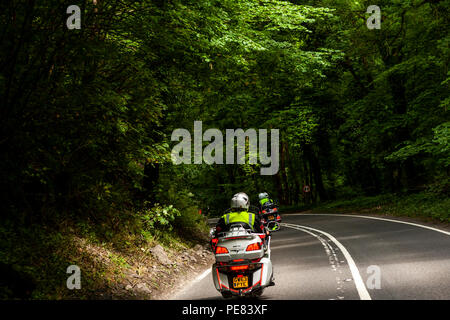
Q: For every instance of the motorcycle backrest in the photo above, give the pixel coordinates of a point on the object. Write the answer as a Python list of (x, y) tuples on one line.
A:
[(269, 206), (236, 232)]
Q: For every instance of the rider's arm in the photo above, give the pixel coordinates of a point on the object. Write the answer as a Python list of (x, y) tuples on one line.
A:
[(262, 228), (220, 226), (258, 224)]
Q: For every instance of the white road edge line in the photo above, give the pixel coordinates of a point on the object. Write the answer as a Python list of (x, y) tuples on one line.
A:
[(203, 275), (191, 283), (367, 217), (360, 287)]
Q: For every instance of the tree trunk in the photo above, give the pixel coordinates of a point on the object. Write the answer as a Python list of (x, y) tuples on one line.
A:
[(287, 198), (279, 187), (151, 176), (317, 174), (296, 191)]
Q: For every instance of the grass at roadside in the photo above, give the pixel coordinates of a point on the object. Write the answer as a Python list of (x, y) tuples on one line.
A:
[(424, 205)]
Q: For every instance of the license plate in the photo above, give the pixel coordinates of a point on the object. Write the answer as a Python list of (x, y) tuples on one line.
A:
[(270, 217), (240, 282)]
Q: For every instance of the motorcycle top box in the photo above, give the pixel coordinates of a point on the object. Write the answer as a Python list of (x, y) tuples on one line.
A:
[(247, 247)]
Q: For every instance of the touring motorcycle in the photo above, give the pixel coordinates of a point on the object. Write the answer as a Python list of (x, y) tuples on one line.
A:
[(271, 217), (243, 266)]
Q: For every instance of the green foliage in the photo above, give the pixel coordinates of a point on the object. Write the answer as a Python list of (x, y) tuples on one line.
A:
[(158, 217), (87, 114), (118, 260)]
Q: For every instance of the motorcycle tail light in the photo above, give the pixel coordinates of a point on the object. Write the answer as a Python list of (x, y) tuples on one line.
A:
[(239, 268), (275, 209), (264, 211), (221, 250), (262, 236), (254, 246)]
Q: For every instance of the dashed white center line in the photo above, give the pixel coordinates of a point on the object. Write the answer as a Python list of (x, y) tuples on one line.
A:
[(360, 287)]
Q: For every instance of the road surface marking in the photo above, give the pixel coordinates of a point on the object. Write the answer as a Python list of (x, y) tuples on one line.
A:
[(367, 217), (360, 287), (203, 275), (333, 259), (191, 283)]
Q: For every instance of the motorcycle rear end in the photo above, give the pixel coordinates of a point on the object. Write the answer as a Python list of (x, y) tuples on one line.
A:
[(243, 267), (271, 218)]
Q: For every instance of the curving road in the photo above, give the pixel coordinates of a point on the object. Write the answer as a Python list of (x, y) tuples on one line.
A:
[(339, 257)]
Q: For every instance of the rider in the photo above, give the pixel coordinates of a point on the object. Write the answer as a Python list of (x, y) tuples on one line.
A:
[(264, 200), (265, 203), (240, 204)]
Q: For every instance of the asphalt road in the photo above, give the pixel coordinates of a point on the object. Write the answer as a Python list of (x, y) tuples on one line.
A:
[(324, 257)]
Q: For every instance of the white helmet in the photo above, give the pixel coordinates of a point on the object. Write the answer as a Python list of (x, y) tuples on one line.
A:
[(240, 201), (263, 195)]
